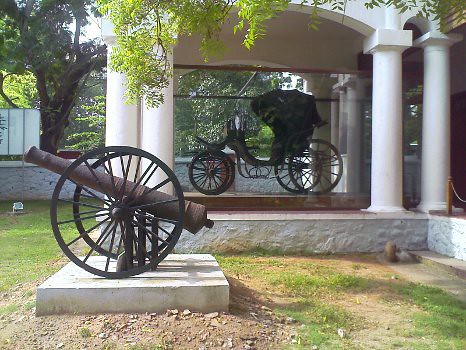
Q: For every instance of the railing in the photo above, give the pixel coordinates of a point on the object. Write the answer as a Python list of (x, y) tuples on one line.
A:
[(450, 192)]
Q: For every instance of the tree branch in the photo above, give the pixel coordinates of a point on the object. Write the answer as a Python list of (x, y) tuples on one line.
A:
[(2, 92)]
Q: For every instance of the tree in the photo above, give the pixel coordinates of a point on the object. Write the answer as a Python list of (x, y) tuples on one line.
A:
[(87, 126), (44, 38), (141, 26)]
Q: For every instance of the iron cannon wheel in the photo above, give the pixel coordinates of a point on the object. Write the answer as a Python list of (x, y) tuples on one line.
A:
[(117, 221), (211, 172), (317, 169)]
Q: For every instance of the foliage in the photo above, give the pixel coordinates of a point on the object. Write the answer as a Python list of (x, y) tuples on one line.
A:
[(44, 38), (87, 127), (207, 117), (19, 89), (142, 25)]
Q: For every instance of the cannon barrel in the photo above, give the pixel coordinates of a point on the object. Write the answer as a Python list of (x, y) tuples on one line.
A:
[(195, 214)]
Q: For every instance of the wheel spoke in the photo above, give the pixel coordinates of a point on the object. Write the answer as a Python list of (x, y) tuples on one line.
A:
[(80, 203), (164, 182), (102, 238), (81, 218), (86, 233), (137, 170), (141, 178), (111, 247), (96, 178), (110, 172), (152, 233), (150, 175), (93, 195)]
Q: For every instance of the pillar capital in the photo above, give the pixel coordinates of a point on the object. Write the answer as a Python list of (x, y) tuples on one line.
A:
[(437, 39), (388, 40)]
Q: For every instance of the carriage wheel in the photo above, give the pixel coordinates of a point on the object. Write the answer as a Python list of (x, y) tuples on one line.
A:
[(211, 172), (283, 177), (317, 169), (110, 220)]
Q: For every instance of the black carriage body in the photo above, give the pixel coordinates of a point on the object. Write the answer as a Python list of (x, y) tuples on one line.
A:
[(288, 113)]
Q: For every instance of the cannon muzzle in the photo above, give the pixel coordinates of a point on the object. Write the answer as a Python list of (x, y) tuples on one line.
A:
[(116, 187)]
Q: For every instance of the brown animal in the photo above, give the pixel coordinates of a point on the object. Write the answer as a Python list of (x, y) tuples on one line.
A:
[(390, 252)]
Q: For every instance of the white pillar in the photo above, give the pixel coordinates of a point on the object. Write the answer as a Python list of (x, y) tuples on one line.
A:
[(435, 167), (334, 123), (342, 127), (354, 137), (122, 120), (157, 131), (386, 46)]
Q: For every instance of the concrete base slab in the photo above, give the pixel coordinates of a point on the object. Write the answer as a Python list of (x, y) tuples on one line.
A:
[(182, 281)]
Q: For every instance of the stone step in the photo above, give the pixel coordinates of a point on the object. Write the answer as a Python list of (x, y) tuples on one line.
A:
[(448, 264)]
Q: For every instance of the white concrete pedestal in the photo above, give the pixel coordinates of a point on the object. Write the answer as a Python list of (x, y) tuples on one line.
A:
[(182, 281)]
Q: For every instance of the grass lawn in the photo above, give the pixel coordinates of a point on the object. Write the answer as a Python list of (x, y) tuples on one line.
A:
[(28, 249), (372, 307)]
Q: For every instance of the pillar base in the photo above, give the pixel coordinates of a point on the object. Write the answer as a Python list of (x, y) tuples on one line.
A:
[(385, 209), (426, 207)]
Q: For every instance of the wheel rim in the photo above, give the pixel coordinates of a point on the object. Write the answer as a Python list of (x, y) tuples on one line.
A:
[(317, 169), (211, 172), (126, 227), (283, 177)]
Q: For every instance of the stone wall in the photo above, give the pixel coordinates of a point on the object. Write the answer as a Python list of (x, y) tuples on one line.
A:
[(308, 233), (31, 182), (447, 236)]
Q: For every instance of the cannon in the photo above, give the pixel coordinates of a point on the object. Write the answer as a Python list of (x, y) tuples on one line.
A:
[(113, 202)]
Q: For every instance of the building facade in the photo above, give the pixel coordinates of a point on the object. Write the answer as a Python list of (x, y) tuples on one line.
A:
[(388, 45)]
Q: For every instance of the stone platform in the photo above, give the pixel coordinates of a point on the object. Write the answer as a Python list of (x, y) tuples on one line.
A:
[(182, 281)]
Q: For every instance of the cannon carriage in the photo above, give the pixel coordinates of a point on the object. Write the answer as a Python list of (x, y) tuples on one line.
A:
[(299, 163), (109, 202)]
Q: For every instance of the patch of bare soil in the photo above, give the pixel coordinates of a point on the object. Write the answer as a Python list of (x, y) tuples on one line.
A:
[(249, 325)]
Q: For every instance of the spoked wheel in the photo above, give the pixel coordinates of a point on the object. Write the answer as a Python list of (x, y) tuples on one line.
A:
[(211, 172), (120, 214), (283, 177), (317, 169)]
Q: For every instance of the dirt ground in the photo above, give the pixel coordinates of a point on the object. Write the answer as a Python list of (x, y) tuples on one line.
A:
[(250, 323)]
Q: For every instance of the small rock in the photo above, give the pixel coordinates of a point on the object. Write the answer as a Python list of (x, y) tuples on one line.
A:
[(387, 328), (265, 308), (215, 323), (294, 341), (315, 347), (60, 345), (290, 320), (211, 315), (341, 332), (103, 335), (186, 312), (173, 312)]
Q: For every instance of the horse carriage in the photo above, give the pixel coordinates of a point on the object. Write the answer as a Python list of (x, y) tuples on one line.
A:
[(300, 163)]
